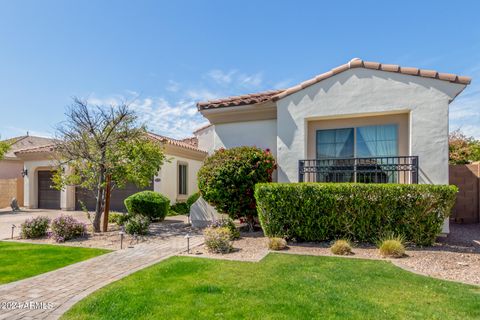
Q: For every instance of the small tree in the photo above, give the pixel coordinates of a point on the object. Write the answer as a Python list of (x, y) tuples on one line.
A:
[(227, 179), (102, 147), (462, 149), (4, 147)]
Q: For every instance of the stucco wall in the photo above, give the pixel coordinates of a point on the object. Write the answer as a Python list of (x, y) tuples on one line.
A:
[(206, 139), (362, 92), (10, 169), (262, 133), (168, 176)]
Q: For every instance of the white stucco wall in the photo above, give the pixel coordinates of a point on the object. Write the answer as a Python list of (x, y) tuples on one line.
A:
[(358, 92), (168, 176), (261, 133), (206, 139)]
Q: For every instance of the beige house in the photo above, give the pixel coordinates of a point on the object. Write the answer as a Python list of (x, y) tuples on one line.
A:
[(360, 122), (176, 179), (11, 167)]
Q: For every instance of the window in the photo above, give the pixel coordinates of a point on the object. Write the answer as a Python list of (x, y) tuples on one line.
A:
[(361, 142), (182, 179)]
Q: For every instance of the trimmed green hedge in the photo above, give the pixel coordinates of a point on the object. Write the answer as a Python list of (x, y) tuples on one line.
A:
[(363, 212), (149, 204)]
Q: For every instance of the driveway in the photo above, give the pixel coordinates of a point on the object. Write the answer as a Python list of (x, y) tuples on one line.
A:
[(7, 218)]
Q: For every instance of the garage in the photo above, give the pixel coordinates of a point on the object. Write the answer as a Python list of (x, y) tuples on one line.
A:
[(87, 197), (48, 198)]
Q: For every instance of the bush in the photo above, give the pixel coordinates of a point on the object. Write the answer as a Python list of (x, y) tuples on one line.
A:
[(341, 247), (277, 243), (228, 177), (392, 246), (137, 225), (229, 224), (180, 208), (67, 227), (34, 227), (119, 218), (192, 199), (218, 240), (149, 204), (361, 212)]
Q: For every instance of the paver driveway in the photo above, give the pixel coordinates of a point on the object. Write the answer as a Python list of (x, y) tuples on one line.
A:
[(7, 218), (60, 289)]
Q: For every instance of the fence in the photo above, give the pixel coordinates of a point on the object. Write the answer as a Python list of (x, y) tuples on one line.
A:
[(467, 179), (11, 188)]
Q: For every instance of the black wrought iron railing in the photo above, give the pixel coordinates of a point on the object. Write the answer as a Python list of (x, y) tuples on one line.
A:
[(400, 169)]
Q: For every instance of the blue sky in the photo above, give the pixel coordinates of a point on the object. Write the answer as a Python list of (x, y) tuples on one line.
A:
[(165, 56)]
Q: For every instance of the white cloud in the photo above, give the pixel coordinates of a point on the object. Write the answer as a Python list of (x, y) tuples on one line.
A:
[(173, 86), (253, 81), (221, 77)]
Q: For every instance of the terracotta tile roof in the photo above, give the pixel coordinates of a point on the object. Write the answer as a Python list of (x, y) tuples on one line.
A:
[(245, 99), (354, 63), (26, 142), (175, 142), (47, 148), (358, 63), (192, 140)]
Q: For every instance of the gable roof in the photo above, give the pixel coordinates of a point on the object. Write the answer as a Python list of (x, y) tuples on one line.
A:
[(354, 63)]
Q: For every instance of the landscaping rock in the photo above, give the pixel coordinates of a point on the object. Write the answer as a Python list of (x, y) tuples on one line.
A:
[(202, 214)]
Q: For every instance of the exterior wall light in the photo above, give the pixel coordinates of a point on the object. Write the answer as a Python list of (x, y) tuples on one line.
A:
[(24, 173)]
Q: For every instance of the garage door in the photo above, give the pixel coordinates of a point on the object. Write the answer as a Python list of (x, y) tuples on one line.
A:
[(48, 198), (116, 199)]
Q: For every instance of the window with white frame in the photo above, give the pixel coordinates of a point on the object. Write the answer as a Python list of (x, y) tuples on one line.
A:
[(182, 178)]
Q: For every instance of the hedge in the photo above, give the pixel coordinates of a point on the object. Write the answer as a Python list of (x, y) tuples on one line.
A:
[(360, 212), (149, 204)]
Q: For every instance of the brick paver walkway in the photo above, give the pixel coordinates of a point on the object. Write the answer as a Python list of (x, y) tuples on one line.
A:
[(66, 286)]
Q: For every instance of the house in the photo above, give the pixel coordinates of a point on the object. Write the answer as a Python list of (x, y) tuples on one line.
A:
[(359, 122), (176, 178), (11, 179)]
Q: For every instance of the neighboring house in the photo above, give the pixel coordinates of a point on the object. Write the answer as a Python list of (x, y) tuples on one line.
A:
[(176, 178), (362, 121), (11, 179)]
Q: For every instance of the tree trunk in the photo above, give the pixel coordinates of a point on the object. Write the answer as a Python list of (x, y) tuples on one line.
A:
[(98, 206), (107, 203)]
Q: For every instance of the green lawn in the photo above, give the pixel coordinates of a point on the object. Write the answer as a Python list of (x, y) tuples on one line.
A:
[(279, 287), (23, 260)]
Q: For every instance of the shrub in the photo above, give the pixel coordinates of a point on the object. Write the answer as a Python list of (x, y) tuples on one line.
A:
[(119, 218), (229, 224), (361, 212), (180, 208), (149, 204), (341, 247), (392, 246), (218, 240), (67, 227), (34, 227), (228, 177), (137, 225), (277, 243), (192, 199)]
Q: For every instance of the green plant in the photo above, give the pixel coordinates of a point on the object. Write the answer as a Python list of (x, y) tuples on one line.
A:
[(192, 199), (360, 212), (228, 177), (34, 227), (119, 218), (229, 224), (392, 246), (137, 225), (149, 204), (67, 227), (217, 240), (341, 247), (180, 208), (277, 243)]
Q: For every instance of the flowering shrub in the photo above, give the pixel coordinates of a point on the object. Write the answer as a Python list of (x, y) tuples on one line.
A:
[(218, 240), (137, 225), (67, 227), (34, 227), (227, 179), (229, 224)]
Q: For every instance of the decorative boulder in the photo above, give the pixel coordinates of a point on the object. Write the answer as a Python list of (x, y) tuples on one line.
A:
[(202, 214)]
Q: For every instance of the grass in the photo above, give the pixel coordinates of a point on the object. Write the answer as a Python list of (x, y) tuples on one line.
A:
[(281, 286), (24, 260)]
